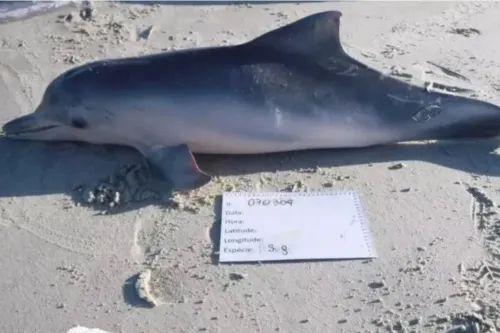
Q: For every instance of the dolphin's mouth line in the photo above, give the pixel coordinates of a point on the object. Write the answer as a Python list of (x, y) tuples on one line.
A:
[(33, 130)]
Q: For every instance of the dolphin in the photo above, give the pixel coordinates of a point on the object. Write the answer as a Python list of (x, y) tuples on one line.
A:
[(292, 88)]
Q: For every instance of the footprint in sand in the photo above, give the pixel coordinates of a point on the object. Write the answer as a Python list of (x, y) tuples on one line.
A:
[(485, 215)]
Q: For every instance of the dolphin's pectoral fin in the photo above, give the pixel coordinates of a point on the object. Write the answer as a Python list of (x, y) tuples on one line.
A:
[(177, 165)]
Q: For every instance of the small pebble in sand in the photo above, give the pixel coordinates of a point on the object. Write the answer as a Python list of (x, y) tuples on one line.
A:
[(441, 300), (442, 320), (70, 17), (87, 13), (397, 166), (415, 321), (377, 284), (376, 301), (236, 276)]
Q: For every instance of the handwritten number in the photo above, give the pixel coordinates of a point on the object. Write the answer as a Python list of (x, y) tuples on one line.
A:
[(267, 202), (272, 248)]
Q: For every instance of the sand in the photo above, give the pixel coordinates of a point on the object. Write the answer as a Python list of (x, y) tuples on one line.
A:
[(68, 261)]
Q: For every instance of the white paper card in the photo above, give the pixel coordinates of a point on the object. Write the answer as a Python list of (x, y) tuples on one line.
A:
[(293, 226), (81, 329)]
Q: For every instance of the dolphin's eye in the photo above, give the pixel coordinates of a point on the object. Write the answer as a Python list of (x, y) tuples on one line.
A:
[(79, 123)]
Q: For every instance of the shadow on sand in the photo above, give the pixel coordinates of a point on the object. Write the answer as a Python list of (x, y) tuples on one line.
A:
[(38, 168)]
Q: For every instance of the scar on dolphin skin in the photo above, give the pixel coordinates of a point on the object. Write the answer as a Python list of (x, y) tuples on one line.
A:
[(426, 113), (214, 100)]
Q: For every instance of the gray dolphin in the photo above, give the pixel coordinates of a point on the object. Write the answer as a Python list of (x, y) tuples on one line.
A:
[(292, 88)]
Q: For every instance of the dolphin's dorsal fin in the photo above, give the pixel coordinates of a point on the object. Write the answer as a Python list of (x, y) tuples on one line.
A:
[(315, 36)]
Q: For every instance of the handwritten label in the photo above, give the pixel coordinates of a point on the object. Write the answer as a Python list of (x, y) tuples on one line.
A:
[(293, 226)]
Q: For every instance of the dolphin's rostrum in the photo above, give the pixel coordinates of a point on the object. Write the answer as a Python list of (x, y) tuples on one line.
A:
[(292, 88)]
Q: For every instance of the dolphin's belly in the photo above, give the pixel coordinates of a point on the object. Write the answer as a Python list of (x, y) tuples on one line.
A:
[(223, 143), (225, 128), (254, 132)]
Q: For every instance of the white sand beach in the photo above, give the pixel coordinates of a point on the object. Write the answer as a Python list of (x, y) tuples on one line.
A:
[(433, 219)]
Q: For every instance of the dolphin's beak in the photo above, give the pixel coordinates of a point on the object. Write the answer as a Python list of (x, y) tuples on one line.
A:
[(31, 123)]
